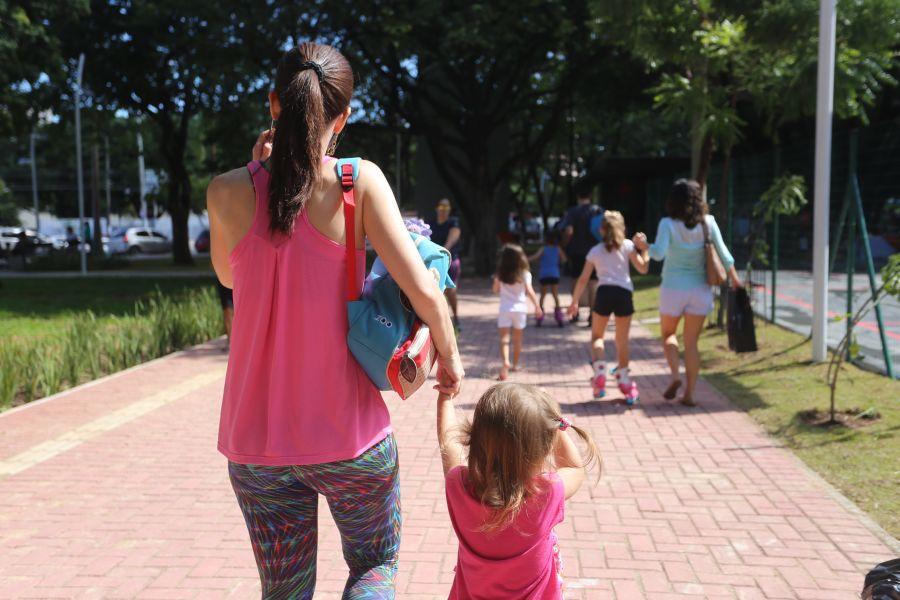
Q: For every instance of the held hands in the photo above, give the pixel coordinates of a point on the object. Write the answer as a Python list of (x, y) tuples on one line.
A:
[(262, 149), (640, 241), (572, 310), (449, 374), (538, 313)]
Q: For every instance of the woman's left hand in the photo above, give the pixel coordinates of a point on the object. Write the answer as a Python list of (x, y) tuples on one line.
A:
[(262, 149), (450, 374)]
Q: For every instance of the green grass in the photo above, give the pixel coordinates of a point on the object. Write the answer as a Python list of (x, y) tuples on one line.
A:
[(36, 307), (58, 333), (779, 381)]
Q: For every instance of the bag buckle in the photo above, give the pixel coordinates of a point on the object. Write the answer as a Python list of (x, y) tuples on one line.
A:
[(347, 176)]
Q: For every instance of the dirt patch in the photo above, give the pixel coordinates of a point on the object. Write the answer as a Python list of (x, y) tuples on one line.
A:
[(853, 418)]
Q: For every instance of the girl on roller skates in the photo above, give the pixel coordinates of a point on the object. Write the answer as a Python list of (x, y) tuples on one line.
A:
[(610, 258)]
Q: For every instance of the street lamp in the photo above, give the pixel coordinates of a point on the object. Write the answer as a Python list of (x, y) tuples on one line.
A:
[(78, 164)]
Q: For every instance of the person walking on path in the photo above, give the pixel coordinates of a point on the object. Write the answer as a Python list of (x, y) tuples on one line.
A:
[(508, 495), (445, 231), (513, 282), (680, 242), (578, 238), (609, 259), (299, 416), (550, 256)]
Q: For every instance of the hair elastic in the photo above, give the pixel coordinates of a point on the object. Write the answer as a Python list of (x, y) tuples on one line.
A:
[(564, 423), (315, 67)]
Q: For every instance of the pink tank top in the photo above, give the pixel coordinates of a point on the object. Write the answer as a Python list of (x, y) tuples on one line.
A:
[(294, 394)]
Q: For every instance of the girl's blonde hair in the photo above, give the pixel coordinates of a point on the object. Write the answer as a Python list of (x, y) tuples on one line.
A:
[(510, 438), (613, 230), (513, 264)]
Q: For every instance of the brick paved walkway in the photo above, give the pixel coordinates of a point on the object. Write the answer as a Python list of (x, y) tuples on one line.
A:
[(115, 490)]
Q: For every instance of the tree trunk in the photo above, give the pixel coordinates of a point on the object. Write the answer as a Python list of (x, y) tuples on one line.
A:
[(706, 152), (174, 145)]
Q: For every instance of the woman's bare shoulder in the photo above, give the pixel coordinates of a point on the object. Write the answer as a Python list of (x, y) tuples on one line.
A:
[(230, 192)]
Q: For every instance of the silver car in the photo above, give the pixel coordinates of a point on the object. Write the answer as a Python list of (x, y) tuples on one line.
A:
[(135, 240)]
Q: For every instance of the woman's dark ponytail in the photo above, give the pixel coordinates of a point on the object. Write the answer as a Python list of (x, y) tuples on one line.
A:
[(314, 84)]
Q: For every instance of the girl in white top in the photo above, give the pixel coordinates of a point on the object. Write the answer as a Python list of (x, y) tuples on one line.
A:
[(513, 282), (611, 258)]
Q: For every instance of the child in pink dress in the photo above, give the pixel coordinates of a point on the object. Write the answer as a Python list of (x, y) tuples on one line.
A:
[(506, 498)]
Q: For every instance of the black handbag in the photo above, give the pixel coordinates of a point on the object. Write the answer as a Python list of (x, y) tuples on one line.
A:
[(741, 329)]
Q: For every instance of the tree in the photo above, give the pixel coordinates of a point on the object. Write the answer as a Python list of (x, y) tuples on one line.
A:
[(714, 55), (485, 84), (31, 58), (169, 61)]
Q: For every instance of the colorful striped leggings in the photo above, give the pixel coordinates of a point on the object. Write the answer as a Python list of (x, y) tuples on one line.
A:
[(280, 508)]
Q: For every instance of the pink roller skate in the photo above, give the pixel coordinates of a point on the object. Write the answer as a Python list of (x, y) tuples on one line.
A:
[(598, 385), (539, 320), (628, 387), (560, 317)]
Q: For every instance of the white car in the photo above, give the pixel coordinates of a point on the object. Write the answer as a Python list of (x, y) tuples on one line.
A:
[(136, 240)]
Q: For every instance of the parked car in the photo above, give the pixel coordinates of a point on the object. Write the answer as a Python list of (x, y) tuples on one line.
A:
[(135, 240), (201, 244), (10, 237)]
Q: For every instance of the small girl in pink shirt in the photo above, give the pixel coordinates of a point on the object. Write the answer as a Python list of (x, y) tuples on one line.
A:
[(505, 500)]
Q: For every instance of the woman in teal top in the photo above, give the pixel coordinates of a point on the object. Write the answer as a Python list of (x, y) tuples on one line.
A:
[(684, 292)]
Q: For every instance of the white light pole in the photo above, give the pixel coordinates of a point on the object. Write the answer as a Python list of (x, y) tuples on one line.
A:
[(824, 109), (141, 179), (78, 165), (34, 191), (108, 190)]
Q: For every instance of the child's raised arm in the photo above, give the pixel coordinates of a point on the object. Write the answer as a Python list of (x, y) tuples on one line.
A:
[(568, 461), (452, 454), (495, 284), (536, 255), (640, 258)]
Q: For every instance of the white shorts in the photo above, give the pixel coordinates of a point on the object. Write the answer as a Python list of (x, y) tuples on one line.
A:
[(675, 303), (516, 320)]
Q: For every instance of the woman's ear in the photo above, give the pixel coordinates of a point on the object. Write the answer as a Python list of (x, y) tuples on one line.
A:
[(274, 105), (341, 121)]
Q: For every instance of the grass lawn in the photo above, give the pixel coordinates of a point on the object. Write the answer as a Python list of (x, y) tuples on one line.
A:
[(35, 307), (777, 383)]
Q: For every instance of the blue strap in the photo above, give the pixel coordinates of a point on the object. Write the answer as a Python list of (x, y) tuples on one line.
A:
[(353, 162)]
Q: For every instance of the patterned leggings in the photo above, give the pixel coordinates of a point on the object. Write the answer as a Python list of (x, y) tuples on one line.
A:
[(280, 508)]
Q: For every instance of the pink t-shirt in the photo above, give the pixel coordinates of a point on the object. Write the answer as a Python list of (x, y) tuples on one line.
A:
[(294, 394), (518, 562)]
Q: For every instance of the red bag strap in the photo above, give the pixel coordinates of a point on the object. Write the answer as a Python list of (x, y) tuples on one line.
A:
[(346, 174)]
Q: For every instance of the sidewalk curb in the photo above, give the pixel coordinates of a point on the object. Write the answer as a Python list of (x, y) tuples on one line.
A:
[(98, 381)]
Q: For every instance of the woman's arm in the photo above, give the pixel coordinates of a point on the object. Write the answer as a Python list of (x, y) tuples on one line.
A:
[(230, 204), (452, 452), (569, 465), (452, 237), (715, 235), (579, 287), (383, 225), (495, 284), (661, 244), (562, 254)]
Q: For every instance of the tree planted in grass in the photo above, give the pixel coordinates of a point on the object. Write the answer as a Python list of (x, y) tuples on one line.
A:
[(848, 346)]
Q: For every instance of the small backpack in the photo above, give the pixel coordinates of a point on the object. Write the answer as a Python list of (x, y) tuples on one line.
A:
[(388, 340)]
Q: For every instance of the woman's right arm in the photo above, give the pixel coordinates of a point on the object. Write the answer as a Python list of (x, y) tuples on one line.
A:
[(661, 244), (383, 225)]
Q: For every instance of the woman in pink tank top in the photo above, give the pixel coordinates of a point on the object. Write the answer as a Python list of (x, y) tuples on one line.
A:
[(299, 416)]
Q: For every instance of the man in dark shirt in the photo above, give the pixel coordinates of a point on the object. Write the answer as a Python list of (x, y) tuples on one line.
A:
[(445, 231), (578, 238)]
